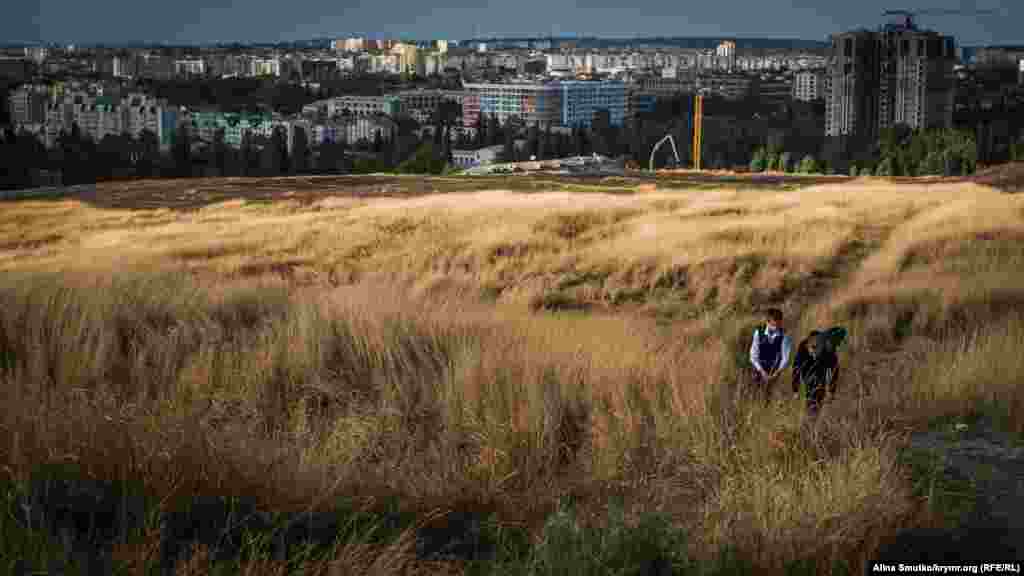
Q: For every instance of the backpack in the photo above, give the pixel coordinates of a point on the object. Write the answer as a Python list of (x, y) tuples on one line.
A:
[(830, 340)]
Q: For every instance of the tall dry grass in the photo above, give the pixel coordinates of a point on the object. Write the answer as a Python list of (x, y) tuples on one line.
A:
[(304, 355)]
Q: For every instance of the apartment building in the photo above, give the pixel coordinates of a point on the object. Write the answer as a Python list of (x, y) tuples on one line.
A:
[(364, 105), (155, 66), (352, 130), (642, 102), (852, 104), (667, 87), (388, 63), (58, 119), (27, 105), (564, 103), (582, 100), (142, 112), (99, 116), (367, 129), (427, 100), (809, 85), (409, 59), (897, 75), (205, 125), (193, 67), (773, 88), (538, 104), (348, 44), (730, 86), (36, 54), (917, 81), (726, 54), (265, 67), (325, 133)]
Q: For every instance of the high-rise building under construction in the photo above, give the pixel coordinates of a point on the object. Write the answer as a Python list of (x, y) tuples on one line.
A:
[(899, 74)]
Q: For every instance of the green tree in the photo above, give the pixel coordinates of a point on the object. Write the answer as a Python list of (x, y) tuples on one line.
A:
[(494, 132), (508, 153), (219, 152), (785, 162), (279, 151), (13, 158), (759, 161), (424, 161), (246, 154), (480, 132), (149, 154), (885, 167), (300, 150), (182, 157), (808, 165)]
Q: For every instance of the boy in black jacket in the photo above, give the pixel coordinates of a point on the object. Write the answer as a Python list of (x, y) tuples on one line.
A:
[(816, 367)]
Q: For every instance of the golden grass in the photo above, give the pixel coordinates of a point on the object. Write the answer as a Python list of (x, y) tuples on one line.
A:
[(327, 348)]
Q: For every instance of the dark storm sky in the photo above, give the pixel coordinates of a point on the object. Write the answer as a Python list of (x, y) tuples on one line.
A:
[(271, 20)]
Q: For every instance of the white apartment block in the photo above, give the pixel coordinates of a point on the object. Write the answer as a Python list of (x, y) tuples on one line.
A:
[(358, 105), (809, 85), (190, 67), (367, 129), (141, 113), (428, 100), (385, 63), (559, 62), (27, 105), (36, 53), (265, 67)]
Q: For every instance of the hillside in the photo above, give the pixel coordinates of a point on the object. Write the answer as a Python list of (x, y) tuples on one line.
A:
[(504, 368)]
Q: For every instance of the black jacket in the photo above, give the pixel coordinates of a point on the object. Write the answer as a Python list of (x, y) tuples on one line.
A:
[(815, 373)]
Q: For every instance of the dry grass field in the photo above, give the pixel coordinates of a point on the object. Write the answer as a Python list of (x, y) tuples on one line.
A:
[(551, 370)]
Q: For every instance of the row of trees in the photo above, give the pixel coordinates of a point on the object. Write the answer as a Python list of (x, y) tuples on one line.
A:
[(899, 152), (81, 160), (773, 159)]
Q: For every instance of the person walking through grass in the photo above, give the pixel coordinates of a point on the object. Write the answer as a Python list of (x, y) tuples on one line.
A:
[(769, 353), (816, 366)]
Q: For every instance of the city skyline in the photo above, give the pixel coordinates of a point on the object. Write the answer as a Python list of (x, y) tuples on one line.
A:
[(192, 21)]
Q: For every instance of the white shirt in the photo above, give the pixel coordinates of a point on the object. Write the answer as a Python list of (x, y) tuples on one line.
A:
[(787, 345)]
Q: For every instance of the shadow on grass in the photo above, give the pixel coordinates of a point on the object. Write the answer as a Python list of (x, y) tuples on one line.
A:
[(65, 523)]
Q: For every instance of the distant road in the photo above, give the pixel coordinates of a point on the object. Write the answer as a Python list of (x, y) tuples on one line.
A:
[(47, 192)]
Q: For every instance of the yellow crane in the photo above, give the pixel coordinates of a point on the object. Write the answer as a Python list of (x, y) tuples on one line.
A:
[(698, 128), (698, 122)]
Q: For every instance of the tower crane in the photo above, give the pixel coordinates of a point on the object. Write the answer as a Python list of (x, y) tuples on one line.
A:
[(909, 15)]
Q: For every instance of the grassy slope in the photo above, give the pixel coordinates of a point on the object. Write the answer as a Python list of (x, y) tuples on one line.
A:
[(394, 350)]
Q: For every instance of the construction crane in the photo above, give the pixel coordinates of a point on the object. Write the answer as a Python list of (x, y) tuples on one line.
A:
[(698, 136), (672, 141), (698, 129), (909, 15)]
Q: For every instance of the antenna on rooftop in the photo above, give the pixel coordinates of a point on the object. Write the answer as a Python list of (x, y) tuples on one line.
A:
[(909, 15)]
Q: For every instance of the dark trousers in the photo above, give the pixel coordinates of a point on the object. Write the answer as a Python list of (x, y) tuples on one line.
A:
[(758, 387), (815, 397)]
